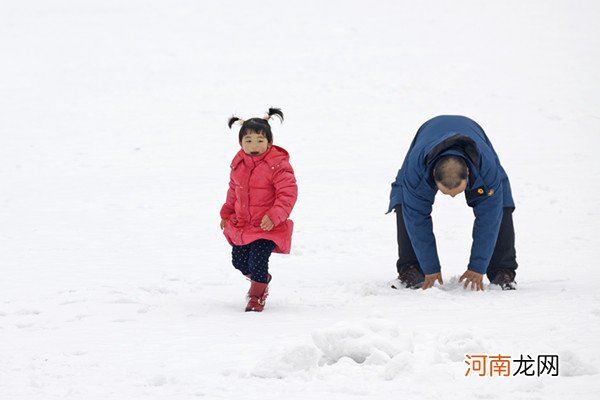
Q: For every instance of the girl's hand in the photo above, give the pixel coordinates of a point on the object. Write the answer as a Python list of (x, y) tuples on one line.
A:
[(266, 224), (223, 223)]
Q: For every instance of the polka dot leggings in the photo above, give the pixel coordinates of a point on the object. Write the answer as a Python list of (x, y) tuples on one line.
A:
[(253, 259)]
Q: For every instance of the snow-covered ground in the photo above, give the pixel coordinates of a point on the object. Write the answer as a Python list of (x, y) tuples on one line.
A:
[(116, 281)]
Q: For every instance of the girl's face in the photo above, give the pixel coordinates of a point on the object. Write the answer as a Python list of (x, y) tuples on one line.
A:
[(255, 144)]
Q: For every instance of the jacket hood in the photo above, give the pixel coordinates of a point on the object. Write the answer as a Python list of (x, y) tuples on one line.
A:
[(456, 144)]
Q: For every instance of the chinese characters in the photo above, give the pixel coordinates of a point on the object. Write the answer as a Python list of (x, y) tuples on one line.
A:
[(502, 365)]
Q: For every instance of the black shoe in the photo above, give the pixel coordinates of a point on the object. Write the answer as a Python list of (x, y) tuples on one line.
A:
[(505, 278), (411, 277)]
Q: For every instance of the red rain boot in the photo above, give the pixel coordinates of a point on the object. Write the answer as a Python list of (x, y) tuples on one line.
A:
[(257, 295), (249, 277)]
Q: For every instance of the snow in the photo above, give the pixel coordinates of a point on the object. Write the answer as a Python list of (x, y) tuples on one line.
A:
[(116, 280)]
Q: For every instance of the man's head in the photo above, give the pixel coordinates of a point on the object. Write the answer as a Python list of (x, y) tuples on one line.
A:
[(450, 174)]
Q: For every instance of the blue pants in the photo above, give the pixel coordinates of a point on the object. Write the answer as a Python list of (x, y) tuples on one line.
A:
[(253, 259)]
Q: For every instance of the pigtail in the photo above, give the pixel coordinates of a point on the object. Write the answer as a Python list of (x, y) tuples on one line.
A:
[(274, 112), (233, 120)]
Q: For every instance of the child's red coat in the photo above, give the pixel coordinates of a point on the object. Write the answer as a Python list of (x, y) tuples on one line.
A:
[(260, 185)]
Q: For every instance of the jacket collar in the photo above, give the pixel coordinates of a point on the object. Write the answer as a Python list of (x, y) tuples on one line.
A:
[(272, 157), (462, 144)]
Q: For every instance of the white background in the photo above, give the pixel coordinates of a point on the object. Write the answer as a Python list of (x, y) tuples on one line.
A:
[(116, 282)]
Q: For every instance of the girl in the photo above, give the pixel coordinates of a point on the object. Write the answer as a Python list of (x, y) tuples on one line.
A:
[(262, 192)]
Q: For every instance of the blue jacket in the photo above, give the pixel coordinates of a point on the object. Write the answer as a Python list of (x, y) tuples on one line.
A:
[(488, 190)]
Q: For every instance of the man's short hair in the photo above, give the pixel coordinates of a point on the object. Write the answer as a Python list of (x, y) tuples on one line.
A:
[(450, 171)]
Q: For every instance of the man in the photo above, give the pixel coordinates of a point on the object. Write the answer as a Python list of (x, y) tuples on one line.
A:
[(452, 154)]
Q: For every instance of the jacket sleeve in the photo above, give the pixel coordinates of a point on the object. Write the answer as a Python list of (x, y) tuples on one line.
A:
[(416, 210), (286, 193), (228, 208), (488, 217)]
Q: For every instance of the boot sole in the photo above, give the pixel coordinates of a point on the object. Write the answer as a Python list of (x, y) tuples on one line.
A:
[(508, 286), (398, 284)]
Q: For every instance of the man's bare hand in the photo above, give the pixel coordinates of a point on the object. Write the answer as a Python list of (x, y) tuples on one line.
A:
[(472, 278), (266, 224), (430, 280)]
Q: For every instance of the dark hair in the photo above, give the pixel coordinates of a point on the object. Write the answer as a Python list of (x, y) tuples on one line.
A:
[(258, 125), (450, 171)]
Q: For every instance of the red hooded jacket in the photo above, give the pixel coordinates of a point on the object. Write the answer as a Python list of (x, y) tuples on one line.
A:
[(260, 185)]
